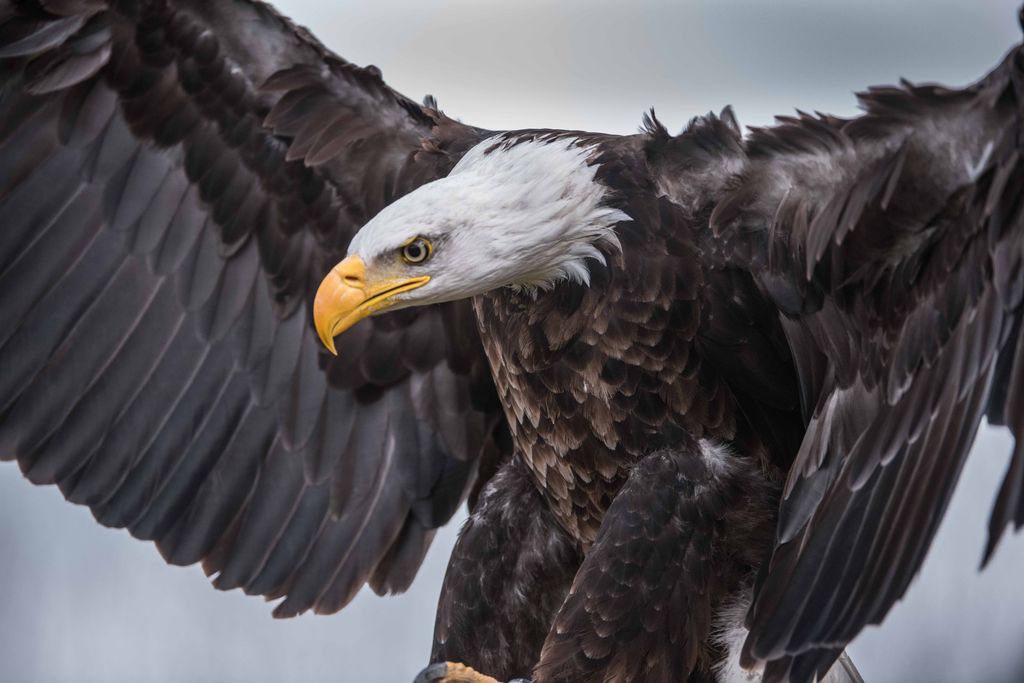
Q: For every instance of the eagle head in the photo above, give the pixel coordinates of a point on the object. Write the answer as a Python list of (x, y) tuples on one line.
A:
[(514, 212)]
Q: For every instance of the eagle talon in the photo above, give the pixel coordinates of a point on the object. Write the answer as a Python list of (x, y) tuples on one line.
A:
[(454, 672)]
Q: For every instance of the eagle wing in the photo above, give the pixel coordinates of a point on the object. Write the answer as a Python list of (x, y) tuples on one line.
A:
[(893, 246), (175, 178)]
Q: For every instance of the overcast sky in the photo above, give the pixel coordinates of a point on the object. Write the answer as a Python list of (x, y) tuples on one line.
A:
[(80, 603)]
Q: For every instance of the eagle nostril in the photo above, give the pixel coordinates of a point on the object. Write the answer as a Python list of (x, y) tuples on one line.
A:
[(352, 272)]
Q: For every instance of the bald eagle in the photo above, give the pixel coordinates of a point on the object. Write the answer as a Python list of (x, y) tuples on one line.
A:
[(707, 394)]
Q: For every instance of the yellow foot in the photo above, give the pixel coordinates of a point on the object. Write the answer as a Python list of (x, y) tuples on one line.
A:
[(452, 672)]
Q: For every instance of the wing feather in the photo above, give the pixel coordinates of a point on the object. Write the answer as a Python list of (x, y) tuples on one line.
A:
[(893, 247), (175, 178)]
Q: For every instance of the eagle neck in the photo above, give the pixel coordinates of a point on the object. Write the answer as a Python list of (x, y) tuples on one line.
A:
[(593, 377)]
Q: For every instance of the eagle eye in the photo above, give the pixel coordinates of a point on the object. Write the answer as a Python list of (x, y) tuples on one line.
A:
[(417, 250)]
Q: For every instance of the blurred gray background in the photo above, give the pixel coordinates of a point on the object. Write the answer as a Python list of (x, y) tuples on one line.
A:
[(82, 603)]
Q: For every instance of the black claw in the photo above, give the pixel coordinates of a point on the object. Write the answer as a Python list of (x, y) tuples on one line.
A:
[(432, 673)]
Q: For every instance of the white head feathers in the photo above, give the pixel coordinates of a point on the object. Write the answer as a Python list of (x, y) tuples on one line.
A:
[(526, 215)]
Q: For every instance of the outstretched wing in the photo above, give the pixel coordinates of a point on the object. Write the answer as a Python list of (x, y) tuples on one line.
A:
[(175, 177), (893, 245)]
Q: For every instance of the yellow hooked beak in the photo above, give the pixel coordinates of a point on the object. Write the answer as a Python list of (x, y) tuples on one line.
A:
[(347, 295)]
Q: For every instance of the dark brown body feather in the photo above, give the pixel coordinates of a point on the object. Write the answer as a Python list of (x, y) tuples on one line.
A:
[(596, 378), (593, 377), (833, 305)]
